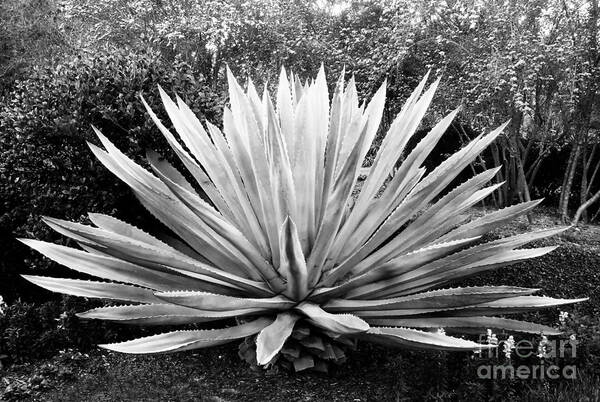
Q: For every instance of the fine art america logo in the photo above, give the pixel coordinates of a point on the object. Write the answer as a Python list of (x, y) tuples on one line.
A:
[(545, 352)]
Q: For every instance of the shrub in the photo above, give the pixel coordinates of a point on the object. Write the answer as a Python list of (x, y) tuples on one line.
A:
[(45, 166), (29, 330)]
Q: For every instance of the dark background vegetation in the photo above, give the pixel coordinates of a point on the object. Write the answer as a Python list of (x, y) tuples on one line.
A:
[(70, 64)]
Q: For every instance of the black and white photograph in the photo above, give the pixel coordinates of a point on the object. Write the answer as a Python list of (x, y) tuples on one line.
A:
[(300, 200)]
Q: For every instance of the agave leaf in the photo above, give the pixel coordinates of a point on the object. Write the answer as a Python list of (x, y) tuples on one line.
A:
[(524, 238), (426, 230), (251, 261), (515, 304), (180, 246), (157, 197), (380, 209), (245, 215), (283, 188), (161, 314), (142, 254), (159, 201), (406, 262), (98, 240), (500, 260), (297, 88), (417, 258), (249, 219), (507, 305), (339, 323), (285, 110), (272, 338), (490, 221), (163, 166), (392, 146), (112, 268), (434, 218), (245, 166), (101, 290), (358, 125), (293, 263), (111, 242), (215, 302), (341, 192), (442, 271), (380, 170), (443, 298), (432, 185), (117, 226), (463, 324), (304, 172), (95, 250), (352, 115), (314, 343), (321, 107), (419, 197), (412, 338), (258, 110), (254, 168), (195, 138), (462, 259), (199, 175), (392, 268), (331, 145), (452, 166), (218, 161), (184, 192), (304, 362), (186, 340), (372, 115)]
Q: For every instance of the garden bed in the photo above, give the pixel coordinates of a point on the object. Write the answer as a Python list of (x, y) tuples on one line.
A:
[(372, 373)]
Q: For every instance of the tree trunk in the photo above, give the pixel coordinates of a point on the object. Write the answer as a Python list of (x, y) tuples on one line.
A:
[(464, 139), (516, 149), (595, 215), (585, 107), (583, 190), (565, 176), (568, 182), (585, 206), (522, 187), (501, 192), (589, 188), (533, 170)]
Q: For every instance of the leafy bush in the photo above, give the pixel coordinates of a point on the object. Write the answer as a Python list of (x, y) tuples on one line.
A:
[(63, 367), (587, 330), (32, 331), (45, 166), (28, 330)]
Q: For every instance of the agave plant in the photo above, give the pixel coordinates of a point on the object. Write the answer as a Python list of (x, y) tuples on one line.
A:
[(284, 246)]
